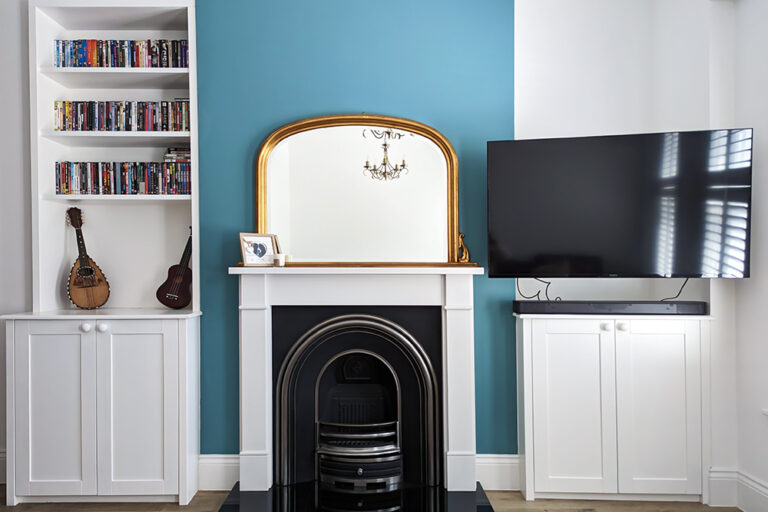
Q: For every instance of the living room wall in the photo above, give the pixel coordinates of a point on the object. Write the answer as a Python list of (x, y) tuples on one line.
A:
[(448, 64)]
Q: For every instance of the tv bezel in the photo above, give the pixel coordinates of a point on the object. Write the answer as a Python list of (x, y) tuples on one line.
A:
[(496, 275)]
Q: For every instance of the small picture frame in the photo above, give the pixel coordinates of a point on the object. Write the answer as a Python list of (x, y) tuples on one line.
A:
[(258, 249)]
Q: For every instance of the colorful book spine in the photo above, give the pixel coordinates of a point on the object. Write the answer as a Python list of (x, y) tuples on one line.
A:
[(112, 53), (150, 116), (123, 178)]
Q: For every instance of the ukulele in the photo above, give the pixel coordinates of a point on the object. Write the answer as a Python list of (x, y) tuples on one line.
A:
[(87, 287), (174, 292)]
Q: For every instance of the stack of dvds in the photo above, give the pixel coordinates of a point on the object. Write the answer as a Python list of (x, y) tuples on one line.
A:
[(170, 177), (97, 53), (145, 116)]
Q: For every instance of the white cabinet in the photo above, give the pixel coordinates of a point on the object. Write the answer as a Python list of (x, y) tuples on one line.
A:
[(658, 400), (610, 405), (53, 370), (137, 382), (574, 407), (102, 407)]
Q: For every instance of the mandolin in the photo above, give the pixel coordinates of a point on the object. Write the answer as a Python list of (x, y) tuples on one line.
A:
[(87, 287), (174, 292)]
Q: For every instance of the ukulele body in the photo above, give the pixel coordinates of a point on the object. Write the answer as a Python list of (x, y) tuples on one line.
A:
[(87, 287), (175, 292)]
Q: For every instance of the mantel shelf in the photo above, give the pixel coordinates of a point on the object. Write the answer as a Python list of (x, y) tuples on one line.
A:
[(389, 270), (119, 78)]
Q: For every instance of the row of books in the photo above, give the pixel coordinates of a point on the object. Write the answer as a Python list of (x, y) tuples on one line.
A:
[(97, 53), (149, 116), (123, 178)]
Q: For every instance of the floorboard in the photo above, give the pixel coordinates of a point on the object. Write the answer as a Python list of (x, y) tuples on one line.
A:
[(210, 501)]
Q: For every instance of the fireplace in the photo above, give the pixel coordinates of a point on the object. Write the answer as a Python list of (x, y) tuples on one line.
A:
[(357, 388), (357, 398)]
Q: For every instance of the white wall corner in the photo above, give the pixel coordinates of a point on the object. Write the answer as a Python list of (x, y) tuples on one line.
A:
[(494, 472), (752, 493), (723, 487)]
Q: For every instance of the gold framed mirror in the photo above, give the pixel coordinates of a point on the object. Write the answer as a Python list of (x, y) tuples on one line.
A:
[(360, 190)]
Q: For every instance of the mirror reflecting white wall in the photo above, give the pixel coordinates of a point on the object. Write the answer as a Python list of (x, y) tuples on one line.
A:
[(325, 207)]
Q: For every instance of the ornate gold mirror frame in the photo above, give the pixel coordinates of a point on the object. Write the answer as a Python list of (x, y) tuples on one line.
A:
[(457, 250)]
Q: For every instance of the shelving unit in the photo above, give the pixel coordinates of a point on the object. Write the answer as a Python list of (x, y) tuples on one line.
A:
[(103, 405), (134, 239)]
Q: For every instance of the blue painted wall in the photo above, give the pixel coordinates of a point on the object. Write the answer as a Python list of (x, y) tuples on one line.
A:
[(446, 63)]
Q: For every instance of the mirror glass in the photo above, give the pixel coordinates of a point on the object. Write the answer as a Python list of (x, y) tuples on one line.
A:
[(326, 206)]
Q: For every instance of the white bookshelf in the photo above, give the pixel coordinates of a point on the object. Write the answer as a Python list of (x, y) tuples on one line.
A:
[(134, 239), (104, 404)]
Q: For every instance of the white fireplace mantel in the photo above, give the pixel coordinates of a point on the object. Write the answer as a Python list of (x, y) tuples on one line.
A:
[(263, 287)]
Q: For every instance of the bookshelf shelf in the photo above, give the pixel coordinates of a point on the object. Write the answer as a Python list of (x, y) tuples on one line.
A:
[(119, 78), (117, 139), (106, 199)]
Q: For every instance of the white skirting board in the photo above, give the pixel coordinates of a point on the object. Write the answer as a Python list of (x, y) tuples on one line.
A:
[(729, 488), (752, 494), (494, 472)]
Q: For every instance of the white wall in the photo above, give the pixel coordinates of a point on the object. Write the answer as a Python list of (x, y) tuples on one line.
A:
[(591, 67), (15, 222), (595, 67), (752, 294)]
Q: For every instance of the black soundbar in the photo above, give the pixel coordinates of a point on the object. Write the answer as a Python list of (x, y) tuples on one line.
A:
[(609, 307)]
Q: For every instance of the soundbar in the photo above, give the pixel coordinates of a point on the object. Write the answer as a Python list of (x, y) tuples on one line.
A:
[(610, 307)]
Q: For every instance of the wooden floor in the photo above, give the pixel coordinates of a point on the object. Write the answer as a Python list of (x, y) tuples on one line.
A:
[(209, 501)]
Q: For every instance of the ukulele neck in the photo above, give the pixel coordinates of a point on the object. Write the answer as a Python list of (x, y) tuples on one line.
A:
[(82, 254), (187, 254)]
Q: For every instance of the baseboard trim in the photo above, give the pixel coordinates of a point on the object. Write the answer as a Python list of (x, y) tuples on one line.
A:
[(498, 472), (723, 487), (218, 472), (494, 472), (752, 493)]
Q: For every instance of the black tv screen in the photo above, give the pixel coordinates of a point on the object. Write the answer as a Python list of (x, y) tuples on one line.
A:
[(649, 205)]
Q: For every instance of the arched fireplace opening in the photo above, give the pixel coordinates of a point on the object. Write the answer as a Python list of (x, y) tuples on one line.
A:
[(357, 408)]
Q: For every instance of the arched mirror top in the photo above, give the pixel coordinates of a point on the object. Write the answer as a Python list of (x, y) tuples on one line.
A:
[(360, 189)]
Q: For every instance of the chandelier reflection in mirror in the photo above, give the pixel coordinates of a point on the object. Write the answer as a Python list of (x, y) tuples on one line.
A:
[(385, 171)]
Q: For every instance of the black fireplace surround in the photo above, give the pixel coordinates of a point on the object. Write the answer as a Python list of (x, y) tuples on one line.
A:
[(358, 420), (358, 395)]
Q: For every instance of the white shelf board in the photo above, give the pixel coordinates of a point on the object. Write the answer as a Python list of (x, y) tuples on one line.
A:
[(116, 139), (119, 78), (117, 198), (104, 314), (107, 15)]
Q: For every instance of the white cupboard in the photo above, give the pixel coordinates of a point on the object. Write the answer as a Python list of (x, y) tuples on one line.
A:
[(610, 405), (102, 407)]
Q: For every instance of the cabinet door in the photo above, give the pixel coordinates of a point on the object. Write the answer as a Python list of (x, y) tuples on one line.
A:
[(54, 365), (658, 375), (138, 406), (574, 406)]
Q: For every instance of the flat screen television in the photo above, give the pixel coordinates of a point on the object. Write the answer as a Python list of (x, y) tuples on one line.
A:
[(647, 205)]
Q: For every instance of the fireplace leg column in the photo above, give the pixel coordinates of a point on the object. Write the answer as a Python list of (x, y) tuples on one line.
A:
[(256, 471), (459, 390)]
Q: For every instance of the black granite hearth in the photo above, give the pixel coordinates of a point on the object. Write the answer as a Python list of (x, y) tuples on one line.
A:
[(307, 497)]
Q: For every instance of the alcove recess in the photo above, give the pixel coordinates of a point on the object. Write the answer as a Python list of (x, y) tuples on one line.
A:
[(133, 238)]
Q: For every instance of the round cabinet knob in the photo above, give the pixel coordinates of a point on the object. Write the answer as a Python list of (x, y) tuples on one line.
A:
[(102, 327), (86, 327), (622, 326), (606, 326)]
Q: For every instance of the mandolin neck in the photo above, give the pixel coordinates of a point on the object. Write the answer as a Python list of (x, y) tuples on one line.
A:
[(82, 254)]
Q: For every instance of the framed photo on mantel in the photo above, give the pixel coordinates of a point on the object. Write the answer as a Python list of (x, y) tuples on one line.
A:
[(259, 249)]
